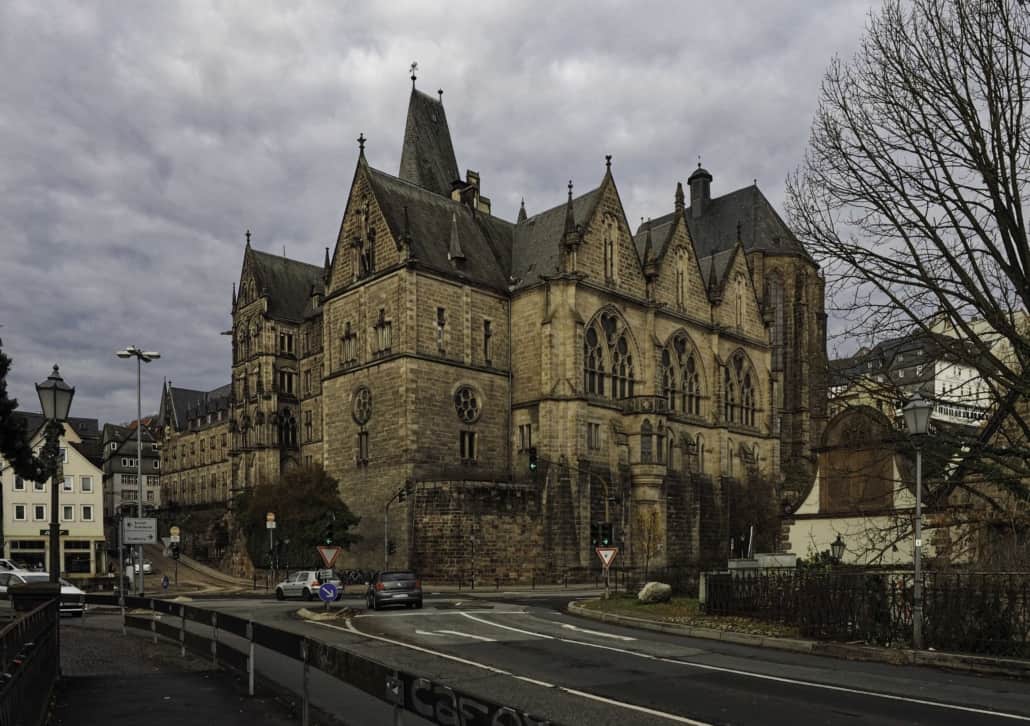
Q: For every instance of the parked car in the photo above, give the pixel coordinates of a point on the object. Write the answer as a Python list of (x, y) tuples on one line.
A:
[(73, 601), (147, 567), (305, 584), (401, 587), (11, 565)]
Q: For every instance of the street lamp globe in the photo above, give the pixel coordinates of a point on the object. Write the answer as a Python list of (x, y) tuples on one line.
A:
[(837, 549), (55, 397), (917, 414)]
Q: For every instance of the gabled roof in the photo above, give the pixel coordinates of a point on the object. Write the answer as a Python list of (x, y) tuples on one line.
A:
[(485, 240), (288, 283), (714, 268), (761, 228), (427, 157), (537, 247), (86, 428)]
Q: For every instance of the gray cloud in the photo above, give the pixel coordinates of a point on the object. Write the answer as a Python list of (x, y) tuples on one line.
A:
[(140, 141)]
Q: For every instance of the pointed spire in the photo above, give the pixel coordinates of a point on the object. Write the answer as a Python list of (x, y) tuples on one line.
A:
[(454, 251), (680, 204), (234, 296), (327, 265), (522, 211), (648, 246), (570, 218)]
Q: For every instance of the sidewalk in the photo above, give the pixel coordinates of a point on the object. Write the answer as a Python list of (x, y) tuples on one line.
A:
[(115, 679)]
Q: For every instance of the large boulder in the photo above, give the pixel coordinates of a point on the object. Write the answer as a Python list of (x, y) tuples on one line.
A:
[(654, 592)]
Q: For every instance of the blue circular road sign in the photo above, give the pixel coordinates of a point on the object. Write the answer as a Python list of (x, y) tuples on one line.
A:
[(328, 592)]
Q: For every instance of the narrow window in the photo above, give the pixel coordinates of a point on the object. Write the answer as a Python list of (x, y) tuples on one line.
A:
[(645, 442), (487, 334), (441, 329), (593, 363), (308, 426), (87, 483), (19, 512), (362, 448), (468, 447)]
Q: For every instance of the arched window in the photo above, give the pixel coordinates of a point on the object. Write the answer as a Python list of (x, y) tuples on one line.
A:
[(681, 278), (691, 387), (730, 402), (593, 362), (660, 445), (686, 376), (747, 401), (774, 299), (668, 381), (645, 442), (739, 299), (622, 369)]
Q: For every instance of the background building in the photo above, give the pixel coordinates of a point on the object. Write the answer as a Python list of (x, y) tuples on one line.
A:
[(26, 504), (119, 453)]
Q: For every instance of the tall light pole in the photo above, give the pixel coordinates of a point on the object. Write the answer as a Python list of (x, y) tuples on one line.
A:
[(55, 398), (917, 419), (141, 357)]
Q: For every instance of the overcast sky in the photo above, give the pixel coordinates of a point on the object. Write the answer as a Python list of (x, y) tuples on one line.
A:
[(140, 140)]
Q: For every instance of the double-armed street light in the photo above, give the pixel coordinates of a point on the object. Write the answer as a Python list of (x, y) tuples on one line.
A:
[(55, 398), (917, 420), (141, 357)]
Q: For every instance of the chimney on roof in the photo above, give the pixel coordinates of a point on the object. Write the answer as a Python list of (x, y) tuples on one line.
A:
[(467, 193), (454, 251), (700, 190)]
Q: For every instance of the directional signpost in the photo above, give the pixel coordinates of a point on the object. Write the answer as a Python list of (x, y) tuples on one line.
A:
[(327, 593), (607, 555), (139, 531)]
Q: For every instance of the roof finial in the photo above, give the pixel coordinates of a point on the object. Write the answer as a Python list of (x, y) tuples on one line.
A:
[(698, 161), (361, 143), (570, 190), (608, 162), (522, 211), (248, 236), (738, 230), (440, 93), (414, 67), (680, 202)]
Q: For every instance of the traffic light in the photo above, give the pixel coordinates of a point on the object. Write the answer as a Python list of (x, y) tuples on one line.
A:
[(595, 534), (532, 458), (175, 550), (327, 533), (391, 547), (607, 534)]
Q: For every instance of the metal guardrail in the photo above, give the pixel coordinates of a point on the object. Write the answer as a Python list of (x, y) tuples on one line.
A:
[(436, 702), (29, 661)]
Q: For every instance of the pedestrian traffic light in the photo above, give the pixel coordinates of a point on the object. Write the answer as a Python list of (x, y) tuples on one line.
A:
[(532, 458), (175, 550)]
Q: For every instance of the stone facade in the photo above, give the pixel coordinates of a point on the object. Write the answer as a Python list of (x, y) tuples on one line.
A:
[(439, 345)]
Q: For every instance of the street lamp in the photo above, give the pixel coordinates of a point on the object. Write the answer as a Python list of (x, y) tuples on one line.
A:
[(141, 357), (55, 398), (837, 549), (917, 419)]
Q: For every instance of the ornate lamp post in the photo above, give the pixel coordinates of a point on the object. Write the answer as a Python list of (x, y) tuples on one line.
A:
[(141, 357), (55, 398), (917, 419)]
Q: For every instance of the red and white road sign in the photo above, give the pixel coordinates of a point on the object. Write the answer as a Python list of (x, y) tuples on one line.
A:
[(328, 554), (607, 555)]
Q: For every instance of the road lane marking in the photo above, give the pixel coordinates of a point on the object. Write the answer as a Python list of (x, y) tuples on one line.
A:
[(763, 676), (500, 671), (468, 635), (425, 632), (598, 632), (432, 613)]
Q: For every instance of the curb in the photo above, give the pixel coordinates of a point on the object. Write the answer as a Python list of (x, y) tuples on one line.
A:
[(979, 664)]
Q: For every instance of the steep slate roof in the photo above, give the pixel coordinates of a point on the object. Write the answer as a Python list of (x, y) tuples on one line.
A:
[(661, 234), (186, 401), (288, 283), (86, 428), (715, 266), (427, 157), (761, 228), (537, 247), (485, 240)]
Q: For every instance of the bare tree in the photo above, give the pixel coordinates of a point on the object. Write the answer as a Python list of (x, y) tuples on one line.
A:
[(911, 198), (647, 538)]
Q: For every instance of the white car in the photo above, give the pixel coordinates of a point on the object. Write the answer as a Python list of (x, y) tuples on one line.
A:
[(147, 567), (72, 598), (305, 584)]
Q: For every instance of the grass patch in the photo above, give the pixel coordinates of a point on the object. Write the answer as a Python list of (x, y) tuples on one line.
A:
[(685, 611)]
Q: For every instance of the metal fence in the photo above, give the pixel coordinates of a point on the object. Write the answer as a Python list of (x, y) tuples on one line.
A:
[(204, 632), (986, 613), (29, 660), (683, 579)]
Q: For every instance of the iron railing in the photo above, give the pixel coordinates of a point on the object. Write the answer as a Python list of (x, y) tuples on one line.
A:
[(986, 613), (204, 632), (29, 659)]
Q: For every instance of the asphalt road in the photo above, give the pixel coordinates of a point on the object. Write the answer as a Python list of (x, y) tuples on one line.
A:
[(521, 651)]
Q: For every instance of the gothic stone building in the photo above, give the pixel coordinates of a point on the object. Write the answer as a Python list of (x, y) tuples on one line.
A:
[(652, 372)]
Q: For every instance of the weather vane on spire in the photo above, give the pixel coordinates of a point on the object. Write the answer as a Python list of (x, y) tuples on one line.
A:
[(414, 67)]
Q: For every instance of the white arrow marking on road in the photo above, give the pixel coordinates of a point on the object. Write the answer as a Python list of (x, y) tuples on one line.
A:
[(424, 632), (467, 635), (598, 632)]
